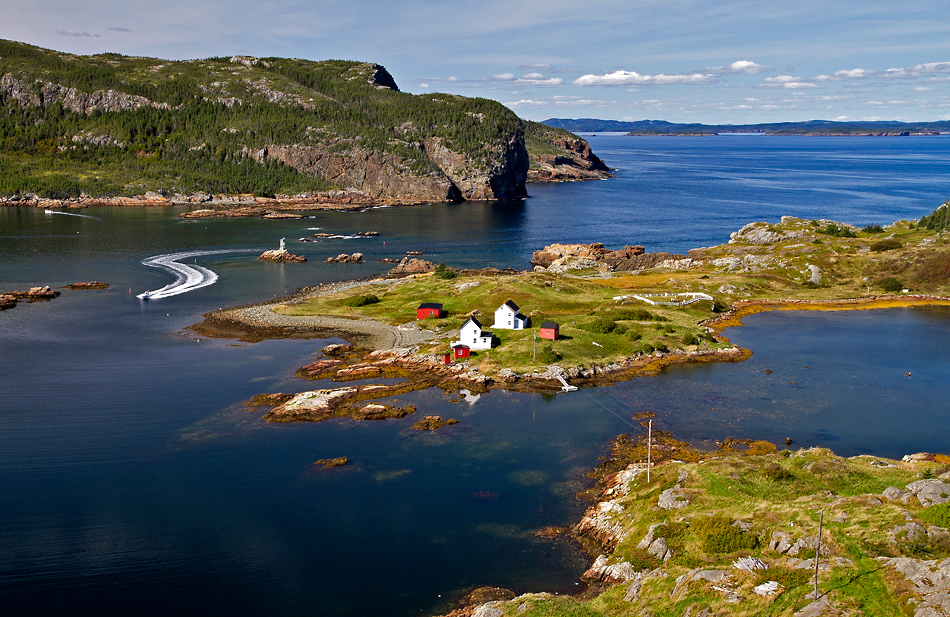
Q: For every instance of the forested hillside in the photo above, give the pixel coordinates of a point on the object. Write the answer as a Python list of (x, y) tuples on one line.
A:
[(110, 125)]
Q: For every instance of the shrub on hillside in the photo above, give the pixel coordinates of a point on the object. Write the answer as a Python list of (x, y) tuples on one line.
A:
[(547, 355), (938, 515), (604, 325), (890, 284), (873, 229), (717, 535), (444, 272), (360, 300), (888, 244)]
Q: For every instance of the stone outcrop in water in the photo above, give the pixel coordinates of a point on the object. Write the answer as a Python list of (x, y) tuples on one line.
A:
[(281, 255), (343, 258)]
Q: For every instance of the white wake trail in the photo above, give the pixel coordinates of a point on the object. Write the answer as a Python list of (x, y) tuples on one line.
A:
[(188, 277), (82, 216)]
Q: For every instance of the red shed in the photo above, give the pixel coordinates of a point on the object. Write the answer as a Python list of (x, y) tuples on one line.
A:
[(549, 330), (461, 351), (429, 309)]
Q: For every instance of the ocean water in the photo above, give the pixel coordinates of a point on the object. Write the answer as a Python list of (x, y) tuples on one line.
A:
[(133, 480)]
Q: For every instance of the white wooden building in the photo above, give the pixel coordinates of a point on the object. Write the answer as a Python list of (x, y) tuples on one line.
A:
[(473, 336), (508, 317)]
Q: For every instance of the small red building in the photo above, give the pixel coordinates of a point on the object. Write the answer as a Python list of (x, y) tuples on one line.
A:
[(461, 351), (549, 330), (429, 309)]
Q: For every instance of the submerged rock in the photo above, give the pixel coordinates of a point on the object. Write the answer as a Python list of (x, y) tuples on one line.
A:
[(330, 463), (431, 423)]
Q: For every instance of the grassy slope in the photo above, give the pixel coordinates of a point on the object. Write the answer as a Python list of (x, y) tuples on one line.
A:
[(574, 302), (778, 492)]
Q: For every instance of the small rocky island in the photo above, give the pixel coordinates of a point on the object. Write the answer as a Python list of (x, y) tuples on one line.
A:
[(281, 254)]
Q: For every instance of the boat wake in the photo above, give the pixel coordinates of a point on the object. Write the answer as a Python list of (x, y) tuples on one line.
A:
[(188, 277), (82, 216)]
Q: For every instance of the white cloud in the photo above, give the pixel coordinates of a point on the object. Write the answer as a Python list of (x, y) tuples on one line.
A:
[(842, 119), (854, 74), (933, 67), (537, 79), (922, 89), (788, 82), (526, 103), (744, 67), (503, 77), (629, 78), (541, 66)]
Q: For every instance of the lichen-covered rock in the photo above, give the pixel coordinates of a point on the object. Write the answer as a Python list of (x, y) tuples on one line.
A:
[(600, 570), (673, 498), (762, 233), (930, 492)]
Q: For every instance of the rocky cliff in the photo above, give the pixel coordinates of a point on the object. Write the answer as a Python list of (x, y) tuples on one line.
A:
[(558, 155)]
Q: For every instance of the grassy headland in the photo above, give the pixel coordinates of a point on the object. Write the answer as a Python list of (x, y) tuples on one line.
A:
[(669, 547), (792, 264)]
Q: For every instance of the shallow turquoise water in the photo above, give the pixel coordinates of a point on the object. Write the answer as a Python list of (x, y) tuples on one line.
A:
[(134, 481)]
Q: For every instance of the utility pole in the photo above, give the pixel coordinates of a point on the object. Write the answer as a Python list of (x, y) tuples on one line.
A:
[(649, 448), (821, 516)]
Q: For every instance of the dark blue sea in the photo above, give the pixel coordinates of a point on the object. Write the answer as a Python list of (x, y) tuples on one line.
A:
[(133, 481)]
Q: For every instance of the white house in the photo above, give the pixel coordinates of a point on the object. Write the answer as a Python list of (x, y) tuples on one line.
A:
[(508, 317), (473, 336)]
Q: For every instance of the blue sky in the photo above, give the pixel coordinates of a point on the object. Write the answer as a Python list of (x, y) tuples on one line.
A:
[(732, 61)]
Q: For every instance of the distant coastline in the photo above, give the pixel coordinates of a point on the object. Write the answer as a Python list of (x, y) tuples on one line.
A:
[(811, 128)]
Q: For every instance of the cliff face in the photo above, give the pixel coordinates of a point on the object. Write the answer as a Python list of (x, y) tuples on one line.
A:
[(378, 175), (501, 176), (558, 155)]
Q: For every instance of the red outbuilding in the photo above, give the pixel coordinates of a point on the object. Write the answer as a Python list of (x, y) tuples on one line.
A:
[(429, 309), (461, 351), (549, 330)]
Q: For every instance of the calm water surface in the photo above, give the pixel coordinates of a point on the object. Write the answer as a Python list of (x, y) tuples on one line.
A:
[(134, 481)]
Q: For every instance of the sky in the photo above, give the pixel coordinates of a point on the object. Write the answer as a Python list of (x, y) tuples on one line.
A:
[(709, 61)]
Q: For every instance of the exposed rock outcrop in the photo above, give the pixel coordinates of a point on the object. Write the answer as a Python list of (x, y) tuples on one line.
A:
[(577, 163), (411, 265), (281, 255), (378, 175), (35, 293), (557, 257), (501, 176), (343, 258), (28, 95)]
